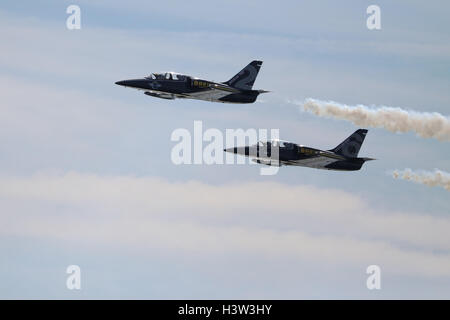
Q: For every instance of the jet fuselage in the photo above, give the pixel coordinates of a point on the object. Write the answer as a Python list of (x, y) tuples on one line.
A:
[(279, 153), (191, 88), (171, 85)]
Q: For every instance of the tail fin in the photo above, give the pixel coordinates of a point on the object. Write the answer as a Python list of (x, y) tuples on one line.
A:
[(245, 79), (350, 147)]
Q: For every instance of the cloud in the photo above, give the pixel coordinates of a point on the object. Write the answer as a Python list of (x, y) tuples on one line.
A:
[(432, 179), (424, 124), (274, 220)]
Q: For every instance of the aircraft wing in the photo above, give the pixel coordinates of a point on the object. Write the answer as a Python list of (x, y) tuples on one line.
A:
[(207, 94), (331, 155), (212, 91), (221, 87), (201, 95), (313, 162)]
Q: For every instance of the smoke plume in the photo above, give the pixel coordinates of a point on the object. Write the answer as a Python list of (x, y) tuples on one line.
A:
[(424, 124), (431, 179)]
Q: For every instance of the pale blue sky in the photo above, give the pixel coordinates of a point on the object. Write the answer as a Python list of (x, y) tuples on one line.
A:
[(85, 169)]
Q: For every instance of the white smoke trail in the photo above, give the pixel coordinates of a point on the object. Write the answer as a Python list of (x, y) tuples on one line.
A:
[(424, 124), (431, 179)]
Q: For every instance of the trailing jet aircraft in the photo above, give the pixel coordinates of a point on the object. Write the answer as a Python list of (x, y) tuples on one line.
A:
[(171, 85), (278, 153)]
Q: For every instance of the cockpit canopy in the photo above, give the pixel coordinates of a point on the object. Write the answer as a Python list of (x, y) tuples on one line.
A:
[(277, 143), (287, 145), (167, 76)]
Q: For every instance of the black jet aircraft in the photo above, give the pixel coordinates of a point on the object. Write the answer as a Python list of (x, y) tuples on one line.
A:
[(278, 153), (171, 85)]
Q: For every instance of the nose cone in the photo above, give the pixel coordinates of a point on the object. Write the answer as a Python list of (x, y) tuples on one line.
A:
[(230, 150), (134, 83), (238, 150), (121, 83)]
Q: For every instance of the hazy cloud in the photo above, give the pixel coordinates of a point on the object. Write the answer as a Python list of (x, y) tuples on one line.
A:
[(300, 222)]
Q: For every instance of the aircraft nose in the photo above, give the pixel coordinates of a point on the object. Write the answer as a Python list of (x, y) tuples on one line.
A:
[(133, 83), (121, 83), (231, 150), (239, 150)]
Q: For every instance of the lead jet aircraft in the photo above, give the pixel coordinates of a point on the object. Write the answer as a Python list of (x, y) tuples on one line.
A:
[(278, 153), (171, 85)]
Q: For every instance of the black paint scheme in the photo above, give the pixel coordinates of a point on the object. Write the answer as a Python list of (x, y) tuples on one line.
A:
[(278, 153), (171, 85)]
